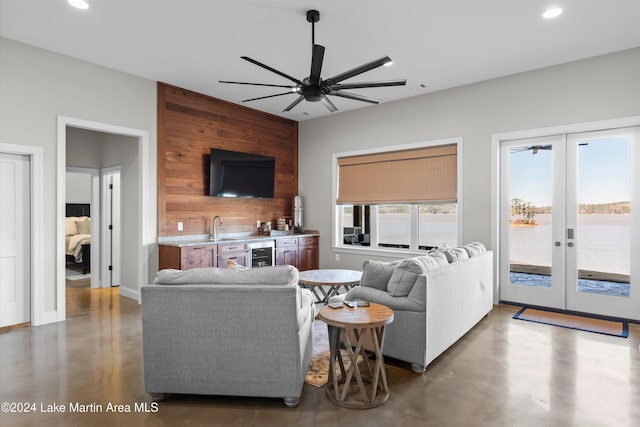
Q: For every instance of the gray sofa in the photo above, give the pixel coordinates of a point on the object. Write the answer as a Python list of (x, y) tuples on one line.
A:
[(227, 332), (436, 299)]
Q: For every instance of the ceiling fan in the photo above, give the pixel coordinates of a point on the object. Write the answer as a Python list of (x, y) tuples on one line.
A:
[(314, 88)]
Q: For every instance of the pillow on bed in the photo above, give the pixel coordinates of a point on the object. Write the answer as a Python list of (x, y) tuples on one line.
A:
[(70, 226), (83, 226)]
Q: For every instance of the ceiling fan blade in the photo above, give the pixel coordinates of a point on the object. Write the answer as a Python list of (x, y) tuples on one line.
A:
[(316, 64), (294, 103), (268, 96), (358, 70), (255, 84), (330, 105), (273, 70), (356, 97), (369, 84)]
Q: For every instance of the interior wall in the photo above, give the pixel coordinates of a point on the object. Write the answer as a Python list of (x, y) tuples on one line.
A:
[(37, 86), (598, 88), (190, 124), (78, 187)]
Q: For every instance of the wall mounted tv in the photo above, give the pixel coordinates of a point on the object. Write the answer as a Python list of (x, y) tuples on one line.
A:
[(235, 174)]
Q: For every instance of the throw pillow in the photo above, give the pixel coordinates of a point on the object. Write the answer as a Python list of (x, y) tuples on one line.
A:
[(440, 257), (475, 248), (455, 254), (406, 273), (233, 265), (376, 274), (83, 226), (70, 226)]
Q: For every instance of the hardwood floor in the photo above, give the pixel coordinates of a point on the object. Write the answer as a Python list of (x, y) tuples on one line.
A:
[(504, 372)]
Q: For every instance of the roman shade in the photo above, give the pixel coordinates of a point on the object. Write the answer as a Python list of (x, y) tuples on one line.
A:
[(420, 175)]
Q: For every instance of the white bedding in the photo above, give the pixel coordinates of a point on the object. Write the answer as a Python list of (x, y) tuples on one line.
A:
[(74, 245), (76, 235)]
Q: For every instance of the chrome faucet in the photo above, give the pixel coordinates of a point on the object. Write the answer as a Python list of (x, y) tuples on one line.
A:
[(214, 231)]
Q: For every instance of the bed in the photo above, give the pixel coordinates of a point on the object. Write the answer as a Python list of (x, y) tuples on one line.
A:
[(78, 235)]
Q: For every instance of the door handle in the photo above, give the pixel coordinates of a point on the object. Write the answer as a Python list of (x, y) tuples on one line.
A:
[(557, 243), (570, 244)]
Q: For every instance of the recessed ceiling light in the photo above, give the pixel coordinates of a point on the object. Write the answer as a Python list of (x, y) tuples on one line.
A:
[(552, 12), (79, 4)]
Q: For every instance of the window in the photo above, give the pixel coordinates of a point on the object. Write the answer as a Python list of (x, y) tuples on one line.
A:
[(399, 199)]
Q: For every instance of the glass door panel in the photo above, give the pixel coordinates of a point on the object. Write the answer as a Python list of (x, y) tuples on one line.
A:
[(530, 219), (600, 171)]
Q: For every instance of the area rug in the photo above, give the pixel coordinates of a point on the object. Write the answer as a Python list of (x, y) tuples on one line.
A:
[(571, 321), (318, 373), (75, 275)]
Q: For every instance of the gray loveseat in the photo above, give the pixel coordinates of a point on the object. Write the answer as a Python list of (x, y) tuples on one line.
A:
[(227, 332), (436, 299)]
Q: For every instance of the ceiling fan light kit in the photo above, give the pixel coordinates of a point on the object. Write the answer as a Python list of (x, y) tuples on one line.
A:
[(313, 88)]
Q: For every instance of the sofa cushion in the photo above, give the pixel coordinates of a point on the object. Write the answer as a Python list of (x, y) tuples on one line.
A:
[(474, 249), (276, 275), (454, 254), (376, 274), (407, 271)]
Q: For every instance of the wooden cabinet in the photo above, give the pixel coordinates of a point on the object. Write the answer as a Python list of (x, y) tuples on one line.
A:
[(187, 257), (301, 252), (308, 254), (287, 251), (238, 252)]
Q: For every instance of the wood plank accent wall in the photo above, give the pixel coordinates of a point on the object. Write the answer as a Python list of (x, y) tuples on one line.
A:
[(189, 125)]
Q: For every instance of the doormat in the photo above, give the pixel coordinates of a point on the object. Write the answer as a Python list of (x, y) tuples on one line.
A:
[(571, 321)]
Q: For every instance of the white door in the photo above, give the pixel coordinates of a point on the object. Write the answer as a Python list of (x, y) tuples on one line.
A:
[(603, 222), (532, 216), (569, 222), (112, 228), (15, 238)]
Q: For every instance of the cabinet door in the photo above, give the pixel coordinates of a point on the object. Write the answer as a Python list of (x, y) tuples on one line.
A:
[(239, 257), (239, 252), (198, 257), (287, 256), (308, 253)]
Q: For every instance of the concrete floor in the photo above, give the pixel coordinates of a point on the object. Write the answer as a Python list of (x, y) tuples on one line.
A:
[(504, 372)]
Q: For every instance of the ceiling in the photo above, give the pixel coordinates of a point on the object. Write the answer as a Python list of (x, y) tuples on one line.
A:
[(434, 44)]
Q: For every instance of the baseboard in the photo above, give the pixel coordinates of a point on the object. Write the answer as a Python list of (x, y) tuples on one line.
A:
[(49, 317), (129, 293)]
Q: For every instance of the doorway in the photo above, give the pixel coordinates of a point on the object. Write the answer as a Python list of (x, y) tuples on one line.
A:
[(569, 227), (139, 237)]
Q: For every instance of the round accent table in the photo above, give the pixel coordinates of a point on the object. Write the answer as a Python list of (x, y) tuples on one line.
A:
[(352, 326), (315, 280)]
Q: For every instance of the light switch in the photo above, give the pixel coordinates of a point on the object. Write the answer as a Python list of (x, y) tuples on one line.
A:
[(180, 226)]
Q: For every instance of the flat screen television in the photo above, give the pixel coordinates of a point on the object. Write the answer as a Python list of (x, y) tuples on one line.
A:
[(235, 174)]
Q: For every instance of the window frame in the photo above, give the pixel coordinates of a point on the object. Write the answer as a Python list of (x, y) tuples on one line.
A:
[(338, 245)]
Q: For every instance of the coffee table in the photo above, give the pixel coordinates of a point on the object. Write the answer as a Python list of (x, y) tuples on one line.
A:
[(346, 325), (316, 280)]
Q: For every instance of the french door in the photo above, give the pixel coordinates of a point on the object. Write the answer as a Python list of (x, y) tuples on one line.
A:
[(570, 222)]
